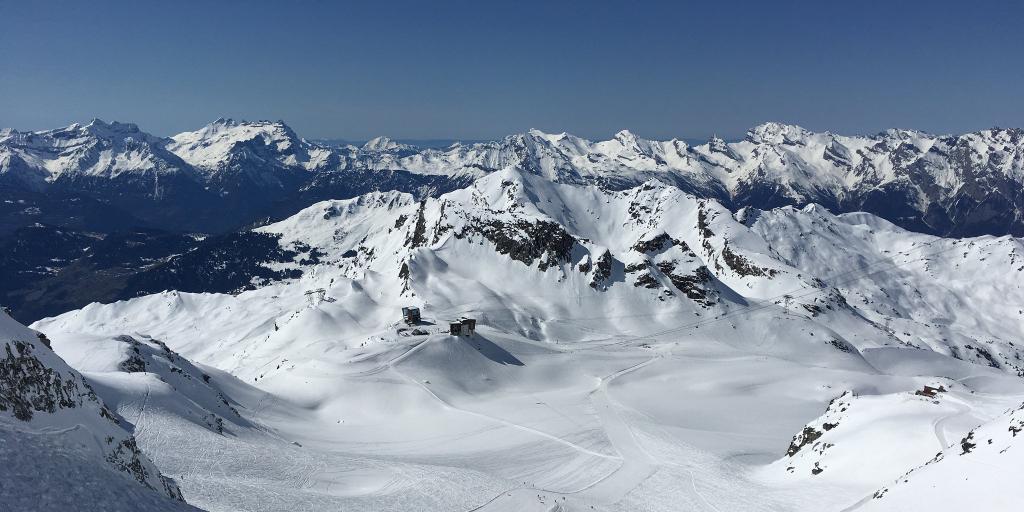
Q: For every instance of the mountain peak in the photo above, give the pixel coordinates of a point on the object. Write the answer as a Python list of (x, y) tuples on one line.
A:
[(264, 124), (216, 145), (776, 133), (101, 128), (626, 137), (382, 143), (533, 136), (904, 134), (241, 129)]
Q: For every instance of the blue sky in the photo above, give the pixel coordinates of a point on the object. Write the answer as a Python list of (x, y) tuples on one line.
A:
[(481, 69)]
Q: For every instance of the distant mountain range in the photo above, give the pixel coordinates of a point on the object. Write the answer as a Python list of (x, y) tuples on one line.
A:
[(230, 174), (421, 143)]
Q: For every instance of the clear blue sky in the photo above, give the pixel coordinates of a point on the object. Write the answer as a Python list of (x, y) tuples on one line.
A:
[(481, 69)]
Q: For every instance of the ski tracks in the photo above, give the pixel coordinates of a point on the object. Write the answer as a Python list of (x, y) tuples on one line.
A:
[(140, 426), (506, 423), (637, 465), (940, 432)]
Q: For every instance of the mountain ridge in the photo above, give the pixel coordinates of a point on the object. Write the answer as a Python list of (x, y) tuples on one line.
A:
[(954, 185)]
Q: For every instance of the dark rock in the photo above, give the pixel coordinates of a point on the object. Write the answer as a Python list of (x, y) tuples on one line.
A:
[(806, 436)]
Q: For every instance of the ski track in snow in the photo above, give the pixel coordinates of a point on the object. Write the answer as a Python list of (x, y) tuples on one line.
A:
[(636, 463), (140, 426), (940, 431)]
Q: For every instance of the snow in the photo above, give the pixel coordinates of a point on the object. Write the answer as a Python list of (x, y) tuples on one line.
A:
[(382, 144), (60, 445), (978, 471), (215, 145), (676, 381), (95, 149), (54, 470)]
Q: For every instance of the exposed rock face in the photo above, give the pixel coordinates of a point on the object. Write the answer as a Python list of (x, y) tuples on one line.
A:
[(602, 271), (657, 244), (647, 280), (741, 265), (694, 286), (810, 438), (418, 235), (526, 241), (806, 436), (28, 386)]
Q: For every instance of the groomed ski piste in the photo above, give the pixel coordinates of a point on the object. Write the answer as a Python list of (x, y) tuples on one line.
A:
[(634, 350)]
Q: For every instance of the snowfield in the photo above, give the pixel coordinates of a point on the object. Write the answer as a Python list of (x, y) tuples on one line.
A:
[(640, 349)]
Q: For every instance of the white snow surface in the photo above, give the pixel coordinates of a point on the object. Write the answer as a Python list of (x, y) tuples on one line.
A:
[(676, 380)]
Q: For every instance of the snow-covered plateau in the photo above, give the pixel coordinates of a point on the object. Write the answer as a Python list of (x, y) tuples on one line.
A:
[(637, 347)]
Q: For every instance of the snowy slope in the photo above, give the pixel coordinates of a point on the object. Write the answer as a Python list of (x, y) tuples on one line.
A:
[(156, 373), (512, 242), (62, 447), (639, 349), (979, 471), (928, 292)]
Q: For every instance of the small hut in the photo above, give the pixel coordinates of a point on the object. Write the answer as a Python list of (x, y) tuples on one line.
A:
[(411, 315), (463, 326), (469, 326)]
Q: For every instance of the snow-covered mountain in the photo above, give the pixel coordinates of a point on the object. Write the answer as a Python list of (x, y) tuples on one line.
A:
[(259, 155), (232, 173), (62, 446), (97, 149), (99, 176), (639, 348), (224, 176), (967, 184)]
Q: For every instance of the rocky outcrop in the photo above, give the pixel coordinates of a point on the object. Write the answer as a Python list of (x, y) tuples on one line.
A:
[(27, 386), (526, 241)]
